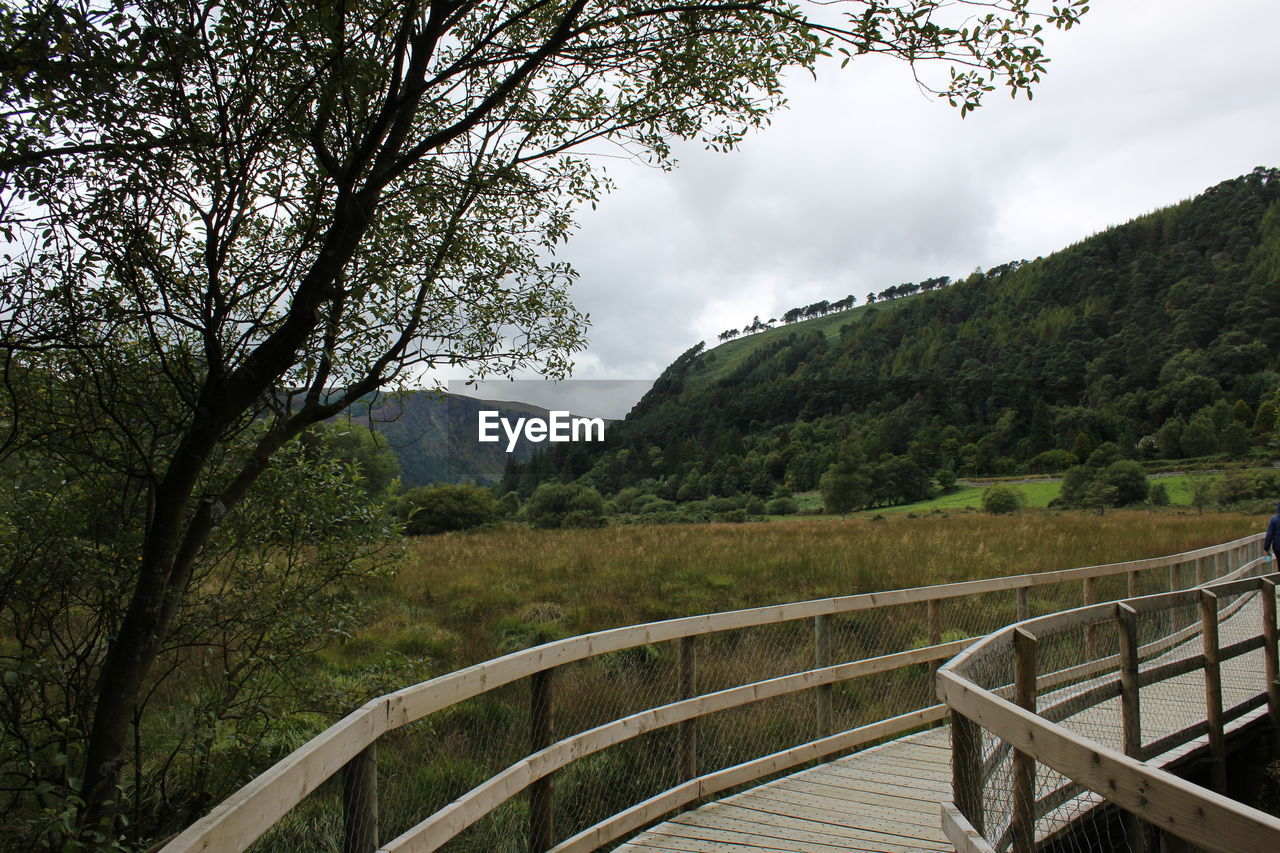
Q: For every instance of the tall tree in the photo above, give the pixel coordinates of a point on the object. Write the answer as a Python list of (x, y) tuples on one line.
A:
[(266, 210)]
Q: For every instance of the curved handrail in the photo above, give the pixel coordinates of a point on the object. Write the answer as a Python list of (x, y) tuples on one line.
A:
[(1199, 815), (244, 816)]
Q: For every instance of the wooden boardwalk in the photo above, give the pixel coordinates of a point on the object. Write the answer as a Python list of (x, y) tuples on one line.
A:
[(887, 799), (882, 799)]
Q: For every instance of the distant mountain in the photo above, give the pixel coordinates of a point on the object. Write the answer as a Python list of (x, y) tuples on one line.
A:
[(435, 435), (1161, 335)]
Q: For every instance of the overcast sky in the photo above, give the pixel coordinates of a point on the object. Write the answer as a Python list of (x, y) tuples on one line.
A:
[(864, 181)]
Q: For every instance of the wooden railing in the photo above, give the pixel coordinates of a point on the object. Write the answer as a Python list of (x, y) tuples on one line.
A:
[(1049, 719), (235, 824)]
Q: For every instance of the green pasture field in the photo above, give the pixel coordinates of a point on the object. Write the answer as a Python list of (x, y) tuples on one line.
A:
[(1039, 492)]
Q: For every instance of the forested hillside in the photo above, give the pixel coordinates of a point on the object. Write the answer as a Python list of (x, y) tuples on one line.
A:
[(1161, 335)]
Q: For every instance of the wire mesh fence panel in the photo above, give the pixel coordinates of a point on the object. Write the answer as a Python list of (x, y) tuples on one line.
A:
[(598, 786), (315, 824), (424, 766), (879, 631)]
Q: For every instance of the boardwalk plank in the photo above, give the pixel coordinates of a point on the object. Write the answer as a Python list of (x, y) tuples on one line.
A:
[(886, 799), (880, 841), (766, 823)]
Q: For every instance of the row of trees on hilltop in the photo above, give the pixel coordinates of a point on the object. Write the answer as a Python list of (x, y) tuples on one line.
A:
[(910, 288), (825, 307), (1160, 337)]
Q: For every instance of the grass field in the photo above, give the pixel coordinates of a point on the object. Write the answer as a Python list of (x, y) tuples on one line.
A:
[(459, 598), (1039, 493)]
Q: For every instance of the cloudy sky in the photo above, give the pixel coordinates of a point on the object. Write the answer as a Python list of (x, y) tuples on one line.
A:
[(865, 181)]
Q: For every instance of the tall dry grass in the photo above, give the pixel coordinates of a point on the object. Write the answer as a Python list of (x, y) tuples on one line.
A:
[(465, 597)]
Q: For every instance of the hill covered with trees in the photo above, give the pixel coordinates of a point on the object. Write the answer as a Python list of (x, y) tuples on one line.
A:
[(1160, 336)]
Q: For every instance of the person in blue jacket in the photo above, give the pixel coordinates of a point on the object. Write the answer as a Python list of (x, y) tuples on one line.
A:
[(1269, 545)]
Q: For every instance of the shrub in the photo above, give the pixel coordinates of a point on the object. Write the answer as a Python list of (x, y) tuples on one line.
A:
[(1120, 483), (509, 505), (1129, 480), (723, 504), (642, 503), (655, 505), (754, 506), (781, 506), (1001, 499), (1159, 495), (1051, 462), (439, 509), (1075, 484), (555, 505)]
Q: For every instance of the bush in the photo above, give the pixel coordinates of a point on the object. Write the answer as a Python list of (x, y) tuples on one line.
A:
[(1075, 485), (1129, 480), (755, 506), (655, 506), (1120, 483), (946, 479), (439, 509), (1237, 487), (781, 506), (509, 505), (555, 505), (1051, 461), (1001, 499), (1159, 495), (719, 505)]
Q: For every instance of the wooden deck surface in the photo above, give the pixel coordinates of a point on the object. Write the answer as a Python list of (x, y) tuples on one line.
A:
[(881, 799), (887, 799)]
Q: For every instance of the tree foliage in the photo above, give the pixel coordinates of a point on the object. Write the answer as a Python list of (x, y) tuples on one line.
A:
[(445, 507), (228, 221), (556, 505), (1002, 499)]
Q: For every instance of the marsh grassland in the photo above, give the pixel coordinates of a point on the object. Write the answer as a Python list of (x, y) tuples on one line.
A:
[(465, 597)]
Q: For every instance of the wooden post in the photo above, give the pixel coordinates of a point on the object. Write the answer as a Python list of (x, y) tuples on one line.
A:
[(1200, 572), (542, 734), (1023, 826), (935, 637), (1271, 667), (1130, 709), (688, 729), (1173, 584), (822, 657), (1091, 631), (1213, 691), (966, 769), (1024, 603), (360, 802), (1133, 584)]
